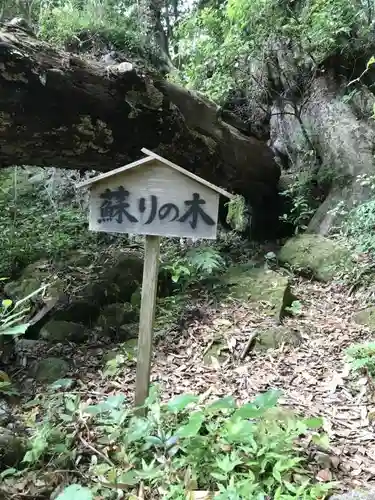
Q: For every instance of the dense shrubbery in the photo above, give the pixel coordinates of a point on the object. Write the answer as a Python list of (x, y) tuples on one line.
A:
[(223, 49), (73, 22), (242, 451), (36, 222)]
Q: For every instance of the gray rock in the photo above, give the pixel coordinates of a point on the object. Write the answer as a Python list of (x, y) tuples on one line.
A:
[(5, 412), (50, 369), (355, 495)]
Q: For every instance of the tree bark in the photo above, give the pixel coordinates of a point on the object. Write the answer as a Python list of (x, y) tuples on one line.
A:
[(60, 110)]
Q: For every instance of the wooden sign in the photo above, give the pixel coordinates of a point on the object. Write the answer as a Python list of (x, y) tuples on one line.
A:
[(154, 197)]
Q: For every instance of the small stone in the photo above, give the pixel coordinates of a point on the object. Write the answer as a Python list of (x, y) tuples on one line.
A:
[(50, 369), (63, 331), (214, 353), (130, 346), (128, 332)]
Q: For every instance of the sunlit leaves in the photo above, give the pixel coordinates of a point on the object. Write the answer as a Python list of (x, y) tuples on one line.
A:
[(75, 492), (193, 426)]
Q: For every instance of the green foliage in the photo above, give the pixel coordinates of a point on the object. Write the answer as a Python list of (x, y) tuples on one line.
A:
[(12, 315), (362, 357), (7, 388), (242, 451), (359, 222), (359, 226), (217, 46), (68, 20), (295, 309), (237, 216), (302, 205), (37, 223), (75, 492), (196, 265)]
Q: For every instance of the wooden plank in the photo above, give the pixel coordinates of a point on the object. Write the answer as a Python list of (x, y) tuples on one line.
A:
[(189, 174), (150, 157), (147, 315), (116, 171), (158, 186)]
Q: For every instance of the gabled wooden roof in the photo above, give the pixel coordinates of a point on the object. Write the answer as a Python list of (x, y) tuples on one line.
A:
[(151, 156)]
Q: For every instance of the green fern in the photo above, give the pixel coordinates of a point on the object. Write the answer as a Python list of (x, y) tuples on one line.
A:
[(205, 261)]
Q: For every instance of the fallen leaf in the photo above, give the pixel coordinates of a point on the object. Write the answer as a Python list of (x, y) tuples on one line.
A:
[(324, 475)]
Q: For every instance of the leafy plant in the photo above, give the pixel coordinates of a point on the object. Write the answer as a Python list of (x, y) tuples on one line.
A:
[(238, 215), (196, 265), (75, 492), (362, 357), (7, 388), (360, 220), (13, 314), (240, 451), (302, 206), (295, 309)]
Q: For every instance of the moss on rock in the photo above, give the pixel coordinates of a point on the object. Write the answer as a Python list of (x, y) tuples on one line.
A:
[(51, 369), (251, 283), (274, 337), (366, 317), (62, 331), (315, 255), (12, 449)]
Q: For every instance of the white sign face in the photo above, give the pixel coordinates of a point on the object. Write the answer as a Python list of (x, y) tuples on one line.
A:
[(154, 199)]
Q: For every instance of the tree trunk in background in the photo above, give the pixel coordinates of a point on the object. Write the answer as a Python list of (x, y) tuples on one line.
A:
[(59, 110)]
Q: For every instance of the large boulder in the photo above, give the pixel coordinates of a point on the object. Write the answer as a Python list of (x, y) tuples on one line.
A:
[(247, 282), (331, 136), (77, 293), (314, 255)]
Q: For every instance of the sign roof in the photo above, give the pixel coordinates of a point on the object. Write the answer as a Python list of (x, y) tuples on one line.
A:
[(151, 156)]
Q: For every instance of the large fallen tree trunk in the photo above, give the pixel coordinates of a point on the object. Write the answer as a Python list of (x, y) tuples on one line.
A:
[(60, 110)]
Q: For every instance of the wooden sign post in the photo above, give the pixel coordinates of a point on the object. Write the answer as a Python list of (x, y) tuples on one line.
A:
[(154, 197)]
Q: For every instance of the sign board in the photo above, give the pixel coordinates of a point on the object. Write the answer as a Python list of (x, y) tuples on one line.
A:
[(154, 197)]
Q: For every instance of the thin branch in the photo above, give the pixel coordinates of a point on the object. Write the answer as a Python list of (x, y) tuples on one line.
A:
[(94, 450), (249, 345)]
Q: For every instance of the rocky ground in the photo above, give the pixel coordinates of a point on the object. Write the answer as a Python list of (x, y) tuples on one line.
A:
[(239, 344)]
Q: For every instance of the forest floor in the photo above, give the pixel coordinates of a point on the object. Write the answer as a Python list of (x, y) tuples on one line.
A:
[(314, 377)]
